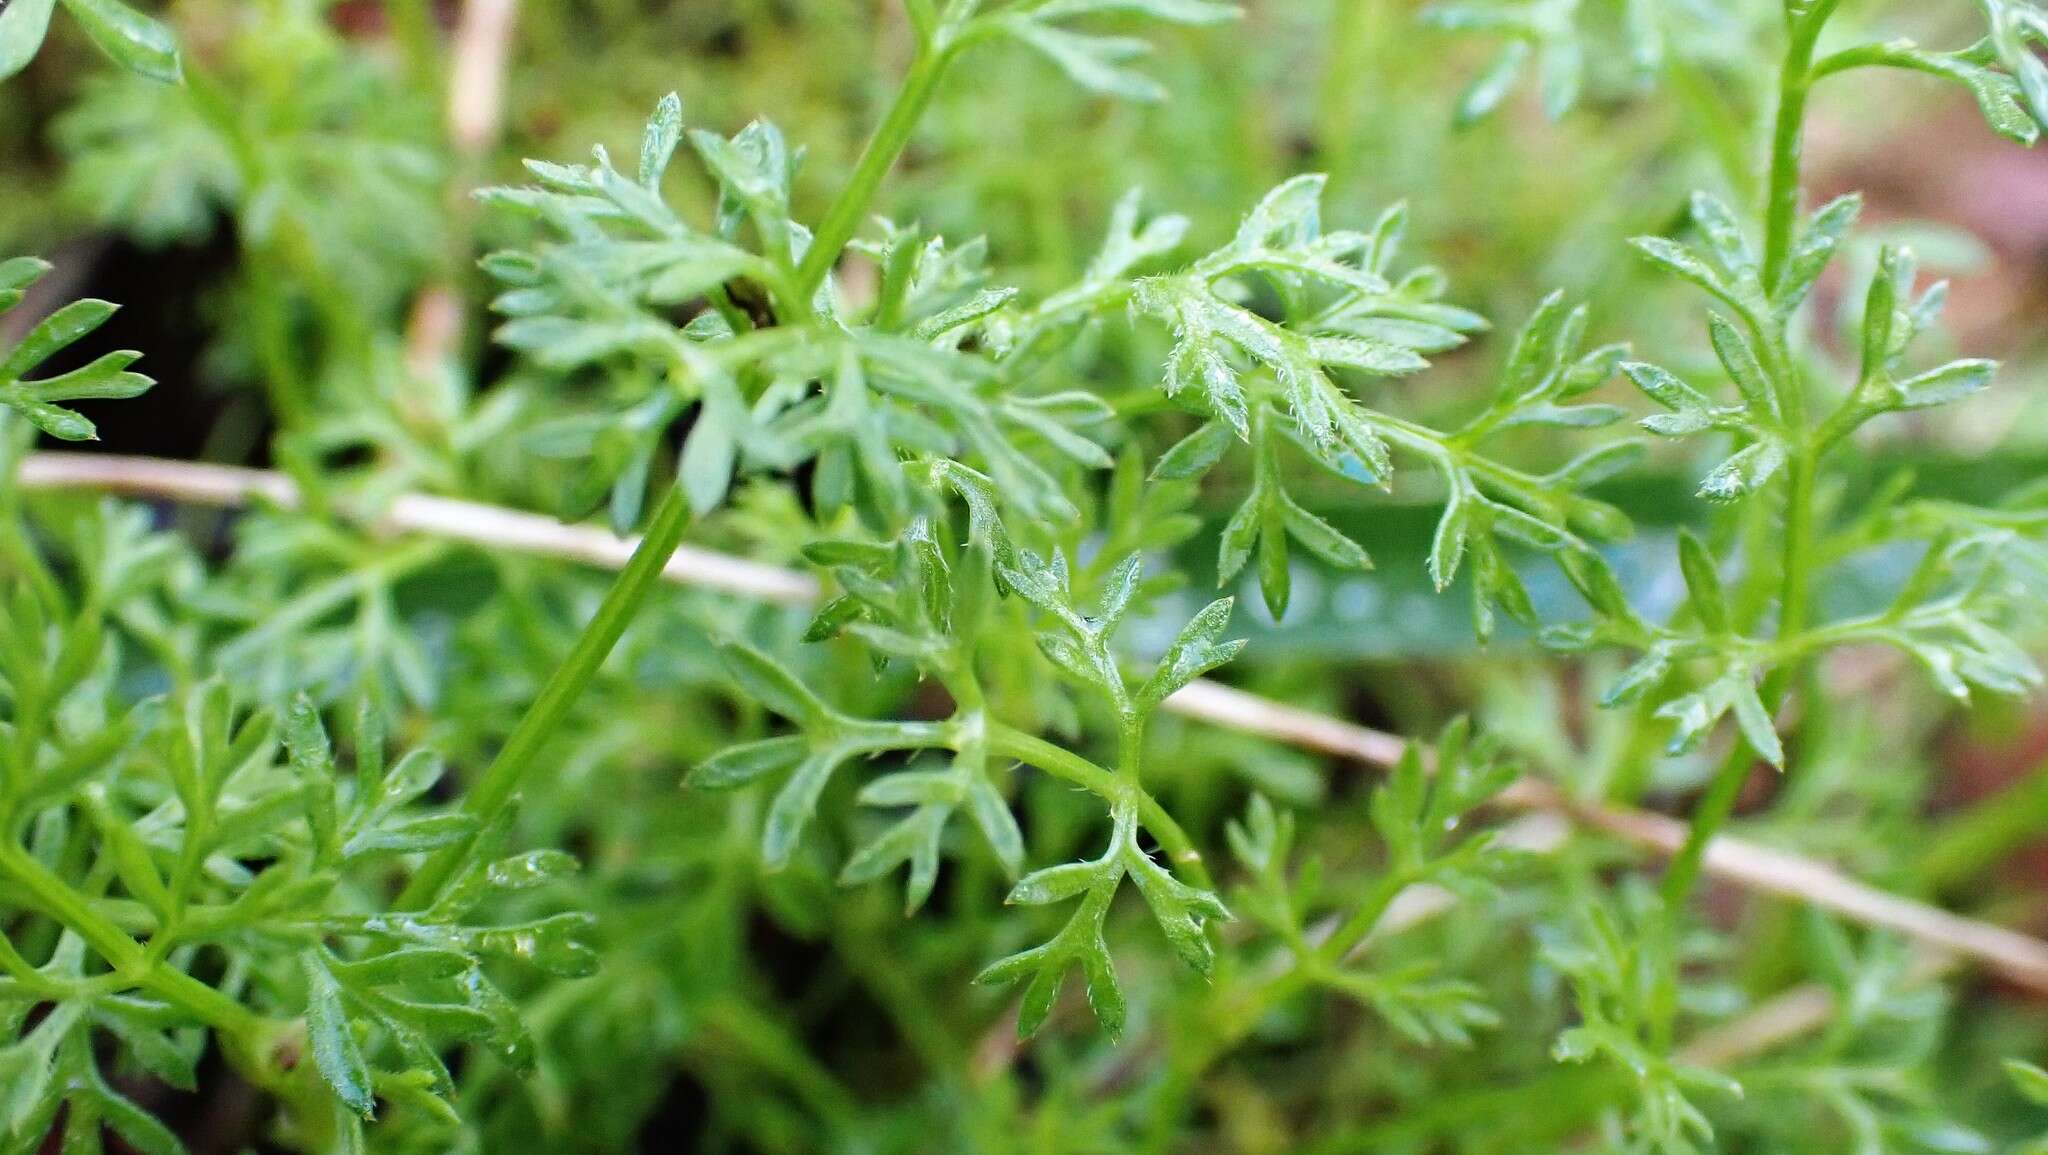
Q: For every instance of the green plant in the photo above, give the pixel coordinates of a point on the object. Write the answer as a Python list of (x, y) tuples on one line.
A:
[(1000, 477), (132, 40), (37, 400)]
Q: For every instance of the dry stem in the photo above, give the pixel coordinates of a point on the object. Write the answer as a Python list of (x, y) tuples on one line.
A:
[(2017, 957)]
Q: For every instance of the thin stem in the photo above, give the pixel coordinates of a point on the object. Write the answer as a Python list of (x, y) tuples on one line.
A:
[(1891, 54), (1345, 76), (843, 217), (1798, 568), (924, 19), (490, 793), (1361, 921), (1060, 762), (1780, 216), (52, 896), (1708, 816), (1130, 749), (1788, 137), (1718, 804), (2022, 959), (1450, 454)]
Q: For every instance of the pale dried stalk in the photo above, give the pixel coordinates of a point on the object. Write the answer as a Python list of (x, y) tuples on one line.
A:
[(490, 526), (1794, 1014), (1797, 1012), (2017, 957), (477, 58), (476, 74)]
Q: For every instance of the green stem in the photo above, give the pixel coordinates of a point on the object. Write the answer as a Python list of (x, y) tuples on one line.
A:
[(1362, 921), (843, 217), (1718, 804), (52, 896), (1891, 54), (1450, 454), (1780, 216), (924, 19), (1130, 749), (1061, 762), (489, 796), (1798, 567), (490, 793), (1788, 137), (1343, 89), (1708, 816)]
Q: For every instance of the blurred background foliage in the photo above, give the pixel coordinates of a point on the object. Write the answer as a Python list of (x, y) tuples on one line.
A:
[(279, 227)]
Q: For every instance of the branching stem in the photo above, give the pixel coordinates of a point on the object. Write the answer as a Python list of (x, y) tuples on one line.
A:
[(489, 795), (1780, 218), (2020, 958), (1064, 763), (51, 895)]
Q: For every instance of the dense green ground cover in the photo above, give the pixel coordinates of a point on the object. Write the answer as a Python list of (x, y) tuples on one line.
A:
[(1567, 423)]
